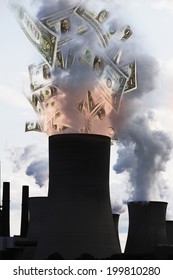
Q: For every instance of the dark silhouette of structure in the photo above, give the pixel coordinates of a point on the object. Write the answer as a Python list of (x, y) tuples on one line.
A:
[(147, 227), (78, 217), (5, 211), (24, 213), (169, 231)]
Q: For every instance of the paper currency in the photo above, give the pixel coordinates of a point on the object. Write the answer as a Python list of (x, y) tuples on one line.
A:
[(117, 57), (65, 24), (59, 60), (32, 126), (40, 36), (47, 92), (88, 17), (111, 85), (40, 75), (130, 71), (35, 102), (94, 61), (70, 59), (124, 33)]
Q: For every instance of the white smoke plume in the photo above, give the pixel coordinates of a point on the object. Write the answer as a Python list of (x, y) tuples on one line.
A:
[(143, 153), (25, 158)]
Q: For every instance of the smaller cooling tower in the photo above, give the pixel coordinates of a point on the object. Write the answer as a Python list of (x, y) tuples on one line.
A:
[(147, 226), (169, 231)]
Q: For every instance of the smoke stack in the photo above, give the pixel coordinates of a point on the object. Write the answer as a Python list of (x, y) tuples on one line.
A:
[(24, 214), (147, 226), (116, 221), (6, 209), (169, 232), (78, 218)]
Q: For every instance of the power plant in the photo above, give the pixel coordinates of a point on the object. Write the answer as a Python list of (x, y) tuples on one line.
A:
[(75, 220)]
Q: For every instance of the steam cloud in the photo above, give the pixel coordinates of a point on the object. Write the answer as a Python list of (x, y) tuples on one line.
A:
[(22, 157)]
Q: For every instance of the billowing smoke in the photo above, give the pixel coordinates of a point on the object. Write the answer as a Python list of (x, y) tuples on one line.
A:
[(24, 158), (143, 154), (39, 170)]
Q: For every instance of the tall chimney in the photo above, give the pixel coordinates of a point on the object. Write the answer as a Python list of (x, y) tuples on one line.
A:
[(24, 212), (147, 226), (78, 218), (6, 209)]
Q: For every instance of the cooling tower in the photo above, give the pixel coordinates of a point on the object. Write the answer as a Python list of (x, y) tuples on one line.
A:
[(169, 232), (24, 212), (78, 217), (147, 227)]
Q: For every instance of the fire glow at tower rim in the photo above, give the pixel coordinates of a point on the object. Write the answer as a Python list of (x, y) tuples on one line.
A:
[(81, 79)]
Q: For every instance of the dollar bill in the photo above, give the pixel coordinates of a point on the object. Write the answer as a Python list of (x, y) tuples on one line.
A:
[(40, 75), (130, 71), (92, 106), (117, 57), (98, 13), (87, 16), (111, 84), (112, 133), (47, 92), (39, 35), (33, 126), (70, 59), (124, 33), (65, 24), (87, 127), (59, 60), (93, 60), (35, 102)]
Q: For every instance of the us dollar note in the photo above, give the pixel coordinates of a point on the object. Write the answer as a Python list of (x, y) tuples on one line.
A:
[(40, 75), (35, 102), (117, 57), (33, 126), (111, 85), (130, 71), (70, 59), (65, 24), (124, 33), (87, 16), (39, 35), (59, 60)]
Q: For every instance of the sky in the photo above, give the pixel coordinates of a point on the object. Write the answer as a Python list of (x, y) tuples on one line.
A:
[(145, 134)]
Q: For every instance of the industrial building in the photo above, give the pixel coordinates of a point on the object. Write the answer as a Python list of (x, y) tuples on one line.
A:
[(75, 220)]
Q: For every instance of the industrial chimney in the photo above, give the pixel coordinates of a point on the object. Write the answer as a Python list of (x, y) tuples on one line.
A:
[(78, 217), (147, 226), (24, 212), (5, 231)]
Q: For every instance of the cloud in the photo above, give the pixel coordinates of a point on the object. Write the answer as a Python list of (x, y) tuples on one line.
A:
[(39, 170), (32, 160)]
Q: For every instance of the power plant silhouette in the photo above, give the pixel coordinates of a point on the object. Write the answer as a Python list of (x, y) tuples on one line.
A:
[(75, 220)]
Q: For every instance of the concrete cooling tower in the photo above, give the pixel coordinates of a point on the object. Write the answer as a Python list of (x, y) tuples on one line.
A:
[(169, 231), (147, 227), (78, 217)]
